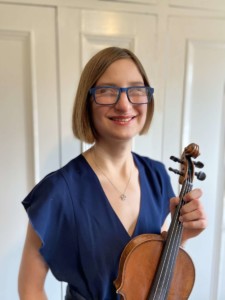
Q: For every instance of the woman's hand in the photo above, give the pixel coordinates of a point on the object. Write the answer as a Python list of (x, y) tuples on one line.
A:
[(192, 214)]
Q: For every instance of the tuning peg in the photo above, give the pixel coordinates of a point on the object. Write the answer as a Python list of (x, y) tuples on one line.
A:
[(198, 164), (176, 159), (200, 175), (176, 171)]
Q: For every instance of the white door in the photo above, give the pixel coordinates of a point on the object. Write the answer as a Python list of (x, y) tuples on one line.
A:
[(195, 112), (28, 126)]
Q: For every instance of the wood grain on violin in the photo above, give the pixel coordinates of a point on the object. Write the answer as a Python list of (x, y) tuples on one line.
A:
[(155, 267)]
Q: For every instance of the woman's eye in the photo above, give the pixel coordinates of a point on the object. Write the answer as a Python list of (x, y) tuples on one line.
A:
[(138, 91), (106, 91)]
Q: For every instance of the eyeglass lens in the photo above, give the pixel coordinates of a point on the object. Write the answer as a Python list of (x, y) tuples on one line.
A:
[(110, 95)]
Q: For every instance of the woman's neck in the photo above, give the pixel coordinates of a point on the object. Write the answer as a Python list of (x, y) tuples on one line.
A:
[(111, 158), (117, 153)]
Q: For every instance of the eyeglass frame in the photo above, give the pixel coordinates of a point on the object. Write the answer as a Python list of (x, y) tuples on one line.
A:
[(120, 90)]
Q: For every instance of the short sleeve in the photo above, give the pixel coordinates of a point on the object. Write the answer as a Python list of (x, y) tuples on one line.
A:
[(50, 212)]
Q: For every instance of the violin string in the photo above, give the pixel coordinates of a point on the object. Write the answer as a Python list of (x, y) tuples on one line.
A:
[(175, 238), (176, 231), (174, 241)]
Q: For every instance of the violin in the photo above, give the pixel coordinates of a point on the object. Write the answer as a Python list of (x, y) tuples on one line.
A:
[(155, 267)]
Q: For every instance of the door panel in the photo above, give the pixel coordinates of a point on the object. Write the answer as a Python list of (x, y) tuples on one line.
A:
[(28, 126), (195, 112)]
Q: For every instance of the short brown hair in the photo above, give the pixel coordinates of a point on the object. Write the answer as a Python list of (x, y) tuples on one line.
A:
[(82, 123)]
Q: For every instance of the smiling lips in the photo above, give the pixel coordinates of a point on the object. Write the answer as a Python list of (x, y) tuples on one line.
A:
[(122, 119)]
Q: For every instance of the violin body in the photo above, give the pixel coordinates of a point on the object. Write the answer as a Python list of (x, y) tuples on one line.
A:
[(135, 278), (156, 268)]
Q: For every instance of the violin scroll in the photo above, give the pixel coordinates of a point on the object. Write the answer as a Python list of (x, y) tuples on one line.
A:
[(191, 150)]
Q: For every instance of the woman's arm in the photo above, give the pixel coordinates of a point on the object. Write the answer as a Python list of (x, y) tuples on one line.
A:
[(33, 269)]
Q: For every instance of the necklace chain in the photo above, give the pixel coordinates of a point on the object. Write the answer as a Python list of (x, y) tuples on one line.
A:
[(122, 195)]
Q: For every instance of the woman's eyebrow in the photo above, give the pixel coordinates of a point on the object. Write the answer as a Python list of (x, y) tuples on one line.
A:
[(136, 83), (133, 83)]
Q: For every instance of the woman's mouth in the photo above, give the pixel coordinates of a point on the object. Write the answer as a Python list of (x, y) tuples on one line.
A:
[(122, 119)]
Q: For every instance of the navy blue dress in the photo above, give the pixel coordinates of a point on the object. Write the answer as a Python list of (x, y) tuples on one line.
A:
[(82, 237)]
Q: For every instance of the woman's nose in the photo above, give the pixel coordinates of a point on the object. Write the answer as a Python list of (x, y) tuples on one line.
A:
[(123, 102)]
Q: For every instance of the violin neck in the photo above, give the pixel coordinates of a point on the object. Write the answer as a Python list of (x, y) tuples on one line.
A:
[(161, 283)]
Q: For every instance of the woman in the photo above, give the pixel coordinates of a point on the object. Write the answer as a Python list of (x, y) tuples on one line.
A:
[(83, 215)]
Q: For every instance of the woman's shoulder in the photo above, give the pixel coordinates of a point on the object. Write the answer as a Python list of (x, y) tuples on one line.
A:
[(156, 172), (149, 162), (56, 182), (74, 167)]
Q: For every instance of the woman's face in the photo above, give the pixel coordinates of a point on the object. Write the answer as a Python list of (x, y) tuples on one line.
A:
[(123, 120)]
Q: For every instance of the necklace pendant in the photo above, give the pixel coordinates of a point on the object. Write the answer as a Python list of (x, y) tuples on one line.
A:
[(123, 197)]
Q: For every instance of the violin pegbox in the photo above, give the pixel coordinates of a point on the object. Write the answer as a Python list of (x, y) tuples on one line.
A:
[(188, 165)]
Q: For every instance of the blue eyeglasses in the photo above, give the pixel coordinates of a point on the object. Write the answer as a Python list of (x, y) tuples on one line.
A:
[(110, 95)]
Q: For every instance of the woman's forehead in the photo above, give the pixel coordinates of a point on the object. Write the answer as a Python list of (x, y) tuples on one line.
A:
[(122, 70)]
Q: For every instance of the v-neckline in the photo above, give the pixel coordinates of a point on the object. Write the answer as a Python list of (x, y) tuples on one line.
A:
[(108, 204)]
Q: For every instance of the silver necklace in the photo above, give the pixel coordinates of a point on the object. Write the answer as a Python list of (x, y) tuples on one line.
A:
[(122, 195)]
